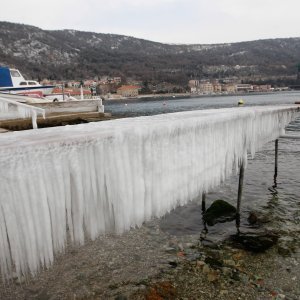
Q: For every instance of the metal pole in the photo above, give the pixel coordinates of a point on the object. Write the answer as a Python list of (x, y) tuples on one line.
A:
[(276, 164), (239, 199), (63, 90), (203, 201), (204, 231)]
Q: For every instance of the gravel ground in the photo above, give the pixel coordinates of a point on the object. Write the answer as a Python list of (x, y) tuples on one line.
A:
[(147, 263)]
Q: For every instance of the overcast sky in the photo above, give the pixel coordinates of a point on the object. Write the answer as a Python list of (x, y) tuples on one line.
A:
[(168, 21)]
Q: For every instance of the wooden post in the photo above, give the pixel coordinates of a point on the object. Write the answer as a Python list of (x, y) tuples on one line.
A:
[(239, 199), (276, 164), (203, 202)]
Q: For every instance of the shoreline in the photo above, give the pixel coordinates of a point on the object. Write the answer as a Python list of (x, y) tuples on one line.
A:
[(160, 97), (148, 263)]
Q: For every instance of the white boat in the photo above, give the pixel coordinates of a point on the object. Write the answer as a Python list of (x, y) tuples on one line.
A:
[(12, 81)]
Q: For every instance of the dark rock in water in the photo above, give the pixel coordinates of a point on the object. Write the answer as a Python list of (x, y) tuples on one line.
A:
[(257, 219), (173, 264), (213, 262), (121, 297), (252, 218), (220, 211), (284, 251), (255, 242)]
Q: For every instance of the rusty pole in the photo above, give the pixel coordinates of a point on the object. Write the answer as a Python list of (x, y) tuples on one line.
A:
[(239, 198)]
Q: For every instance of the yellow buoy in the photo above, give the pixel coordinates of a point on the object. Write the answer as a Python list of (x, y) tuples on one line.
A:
[(241, 102)]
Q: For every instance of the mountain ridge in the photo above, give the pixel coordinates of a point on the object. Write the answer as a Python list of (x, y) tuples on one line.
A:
[(72, 54)]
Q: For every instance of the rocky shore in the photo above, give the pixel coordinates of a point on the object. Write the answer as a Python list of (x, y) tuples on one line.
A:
[(147, 263)]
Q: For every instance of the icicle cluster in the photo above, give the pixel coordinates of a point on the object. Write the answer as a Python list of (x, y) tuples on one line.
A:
[(23, 110), (90, 179), (3, 107)]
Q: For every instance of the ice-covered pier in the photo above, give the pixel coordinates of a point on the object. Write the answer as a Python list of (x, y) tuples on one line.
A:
[(85, 180)]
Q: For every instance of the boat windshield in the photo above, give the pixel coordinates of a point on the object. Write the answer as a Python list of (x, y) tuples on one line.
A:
[(15, 73)]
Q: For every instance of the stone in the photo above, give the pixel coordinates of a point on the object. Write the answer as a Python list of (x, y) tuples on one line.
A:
[(284, 251), (255, 242), (257, 219), (200, 263), (170, 250), (220, 211), (206, 269), (121, 297), (180, 247), (213, 276), (227, 271), (173, 264), (213, 262), (223, 292), (252, 218), (229, 262)]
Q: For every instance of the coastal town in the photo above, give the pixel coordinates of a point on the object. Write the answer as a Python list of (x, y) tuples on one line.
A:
[(110, 88)]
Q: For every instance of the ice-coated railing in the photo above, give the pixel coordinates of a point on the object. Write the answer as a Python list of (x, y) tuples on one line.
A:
[(24, 110), (89, 179)]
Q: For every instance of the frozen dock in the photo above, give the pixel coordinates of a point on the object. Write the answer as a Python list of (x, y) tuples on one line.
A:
[(16, 115), (89, 179)]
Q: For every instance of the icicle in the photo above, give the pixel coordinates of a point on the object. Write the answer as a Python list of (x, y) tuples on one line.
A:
[(3, 107), (23, 110), (101, 177)]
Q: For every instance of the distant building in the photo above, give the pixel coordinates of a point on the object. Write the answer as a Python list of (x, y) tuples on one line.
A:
[(231, 80), (89, 83), (262, 88), (229, 88), (74, 84), (206, 88), (117, 80), (128, 90), (194, 90), (217, 87), (72, 91), (244, 87), (194, 83)]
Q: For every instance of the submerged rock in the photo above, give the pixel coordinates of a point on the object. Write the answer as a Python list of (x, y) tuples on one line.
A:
[(252, 218), (257, 219), (255, 242), (220, 211)]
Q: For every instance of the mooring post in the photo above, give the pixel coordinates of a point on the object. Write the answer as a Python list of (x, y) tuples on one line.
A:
[(276, 164), (203, 201), (239, 199)]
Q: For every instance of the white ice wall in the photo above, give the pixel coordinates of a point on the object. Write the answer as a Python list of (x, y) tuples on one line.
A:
[(101, 177)]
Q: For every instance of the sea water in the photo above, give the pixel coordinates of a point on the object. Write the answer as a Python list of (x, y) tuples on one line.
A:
[(280, 208)]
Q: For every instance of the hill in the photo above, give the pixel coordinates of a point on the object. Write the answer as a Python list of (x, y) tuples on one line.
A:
[(70, 54)]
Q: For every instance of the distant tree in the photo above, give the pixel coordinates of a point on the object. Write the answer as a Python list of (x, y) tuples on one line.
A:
[(145, 88)]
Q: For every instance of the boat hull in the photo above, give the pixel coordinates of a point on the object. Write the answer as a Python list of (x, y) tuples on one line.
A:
[(38, 91)]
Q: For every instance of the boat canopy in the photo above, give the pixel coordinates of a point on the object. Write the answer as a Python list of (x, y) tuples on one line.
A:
[(5, 77)]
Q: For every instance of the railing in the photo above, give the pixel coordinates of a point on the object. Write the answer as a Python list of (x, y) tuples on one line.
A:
[(24, 110)]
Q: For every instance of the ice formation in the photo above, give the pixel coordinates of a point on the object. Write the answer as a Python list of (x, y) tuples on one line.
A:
[(23, 110), (90, 179)]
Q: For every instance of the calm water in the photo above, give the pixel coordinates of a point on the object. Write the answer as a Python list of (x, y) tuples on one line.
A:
[(133, 108), (280, 209)]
